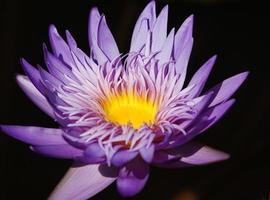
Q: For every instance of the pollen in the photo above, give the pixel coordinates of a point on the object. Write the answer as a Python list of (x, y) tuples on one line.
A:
[(129, 109)]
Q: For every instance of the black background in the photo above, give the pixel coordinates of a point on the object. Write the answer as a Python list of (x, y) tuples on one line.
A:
[(238, 31)]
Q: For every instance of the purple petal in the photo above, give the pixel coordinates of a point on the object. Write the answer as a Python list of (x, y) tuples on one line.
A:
[(122, 157), (192, 153), (94, 18), (147, 153), (165, 55), (94, 21), (143, 24), (63, 151), (159, 32), (31, 91), (132, 178), (209, 118), (35, 135), (106, 41), (183, 35), (204, 121), (200, 77), (205, 155), (94, 154), (34, 75), (59, 46), (182, 60), (226, 88), (81, 182)]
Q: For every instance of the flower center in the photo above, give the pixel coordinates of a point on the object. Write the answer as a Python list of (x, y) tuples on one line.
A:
[(128, 108)]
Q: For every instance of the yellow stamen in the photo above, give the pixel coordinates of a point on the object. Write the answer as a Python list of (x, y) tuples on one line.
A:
[(128, 108)]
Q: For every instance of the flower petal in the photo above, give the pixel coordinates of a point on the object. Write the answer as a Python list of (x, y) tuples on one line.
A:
[(209, 118), (94, 154), (34, 135), (33, 75), (106, 41), (202, 122), (165, 55), (147, 153), (81, 182), (94, 21), (132, 178), (59, 46), (37, 98), (143, 24), (182, 36), (226, 88), (205, 155), (121, 157), (63, 151), (159, 32), (200, 77), (189, 154)]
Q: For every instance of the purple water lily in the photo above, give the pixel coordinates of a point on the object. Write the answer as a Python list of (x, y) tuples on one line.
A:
[(120, 113)]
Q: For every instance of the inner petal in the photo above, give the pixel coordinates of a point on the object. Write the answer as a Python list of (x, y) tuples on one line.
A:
[(128, 108)]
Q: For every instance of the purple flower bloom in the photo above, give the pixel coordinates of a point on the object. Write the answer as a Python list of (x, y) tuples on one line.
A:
[(118, 113)]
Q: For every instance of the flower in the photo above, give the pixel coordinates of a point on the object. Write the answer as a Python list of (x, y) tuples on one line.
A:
[(120, 113)]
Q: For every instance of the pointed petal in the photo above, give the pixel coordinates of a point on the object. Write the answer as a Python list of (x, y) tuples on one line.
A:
[(132, 178), (143, 24), (209, 118), (63, 151), (94, 21), (59, 46), (226, 88), (205, 155), (200, 77), (182, 61), (35, 135), (165, 55), (189, 154), (81, 182), (159, 32), (106, 41), (37, 98), (202, 122), (183, 35), (94, 18)]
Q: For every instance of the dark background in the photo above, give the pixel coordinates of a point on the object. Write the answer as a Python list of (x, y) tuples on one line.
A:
[(238, 31)]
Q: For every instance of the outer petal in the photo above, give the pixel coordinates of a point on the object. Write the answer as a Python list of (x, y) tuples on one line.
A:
[(94, 154), (192, 154), (132, 178), (205, 155), (35, 135), (143, 24), (31, 91), (200, 77), (106, 41), (94, 21), (80, 183), (159, 32), (165, 55), (183, 35), (34, 75), (122, 157), (204, 121), (59, 46), (63, 151), (226, 88)]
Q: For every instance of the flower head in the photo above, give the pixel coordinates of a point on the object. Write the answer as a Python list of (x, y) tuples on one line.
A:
[(119, 113)]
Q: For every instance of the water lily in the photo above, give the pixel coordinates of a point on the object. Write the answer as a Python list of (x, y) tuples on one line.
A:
[(120, 113)]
